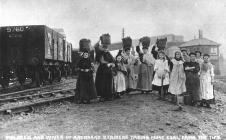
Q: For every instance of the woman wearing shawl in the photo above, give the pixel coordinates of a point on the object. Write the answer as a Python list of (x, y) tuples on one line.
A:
[(104, 76), (85, 84), (206, 81), (177, 77), (129, 61), (146, 68), (192, 78)]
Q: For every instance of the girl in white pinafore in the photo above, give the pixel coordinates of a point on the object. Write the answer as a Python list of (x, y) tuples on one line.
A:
[(206, 81), (119, 78), (161, 77), (177, 77)]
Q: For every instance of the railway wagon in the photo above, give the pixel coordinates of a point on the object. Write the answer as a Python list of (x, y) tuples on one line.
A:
[(34, 51)]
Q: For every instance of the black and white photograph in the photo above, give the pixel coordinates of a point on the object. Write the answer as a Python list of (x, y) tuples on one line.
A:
[(112, 70)]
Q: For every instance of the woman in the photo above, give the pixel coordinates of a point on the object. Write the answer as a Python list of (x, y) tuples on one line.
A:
[(129, 61), (104, 76), (192, 79), (206, 81), (146, 68), (161, 77), (177, 77), (85, 84), (185, 56)]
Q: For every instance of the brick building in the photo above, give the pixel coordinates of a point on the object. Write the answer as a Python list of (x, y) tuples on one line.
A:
[(204, 45)]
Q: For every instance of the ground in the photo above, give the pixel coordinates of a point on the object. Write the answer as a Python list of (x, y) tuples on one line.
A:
[(133, 115)]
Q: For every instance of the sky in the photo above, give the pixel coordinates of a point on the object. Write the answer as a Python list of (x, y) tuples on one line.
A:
[(92, 18)]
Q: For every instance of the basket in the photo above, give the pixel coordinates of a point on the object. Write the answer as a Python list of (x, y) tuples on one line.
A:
[(84, 45), (105, 39), (145, 41), (127, 43)]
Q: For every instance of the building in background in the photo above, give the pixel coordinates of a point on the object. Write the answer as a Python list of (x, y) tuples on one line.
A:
[(173, 41), (204, 45)]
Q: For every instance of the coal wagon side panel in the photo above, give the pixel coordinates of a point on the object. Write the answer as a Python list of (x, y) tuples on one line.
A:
[(60, 47), (14, 42), (55, 45), (1, 63), (49, 44), (69, 52), (65, 50), (35, 44)]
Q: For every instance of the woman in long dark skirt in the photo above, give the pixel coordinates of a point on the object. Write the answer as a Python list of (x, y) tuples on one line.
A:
[(104, 77), (192, 69), (85, 84)]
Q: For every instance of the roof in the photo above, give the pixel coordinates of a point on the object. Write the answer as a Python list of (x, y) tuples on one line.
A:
[(172, 44), (200, 42)]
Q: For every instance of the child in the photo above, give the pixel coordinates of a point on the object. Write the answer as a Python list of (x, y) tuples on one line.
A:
[(206, 81), (177, 77), (85, 83), (119, 78), (161, 77)]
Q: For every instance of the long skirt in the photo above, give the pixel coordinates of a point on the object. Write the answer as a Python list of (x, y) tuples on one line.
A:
[(145, 77), (193, 85), (85, 87), (104, 82), (130, 78), (207, 91), (119, 82)]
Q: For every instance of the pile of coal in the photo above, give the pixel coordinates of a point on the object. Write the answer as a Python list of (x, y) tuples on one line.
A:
[(84, 45), (105, 39), (145, 41), (127, 43)]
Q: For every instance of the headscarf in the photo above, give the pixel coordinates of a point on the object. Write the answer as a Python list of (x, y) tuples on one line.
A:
[(178, 59)]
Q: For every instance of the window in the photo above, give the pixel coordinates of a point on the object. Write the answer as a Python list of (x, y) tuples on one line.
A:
[(213, 50)]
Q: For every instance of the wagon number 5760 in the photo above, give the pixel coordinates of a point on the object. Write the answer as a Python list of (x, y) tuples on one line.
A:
[(14, 29)]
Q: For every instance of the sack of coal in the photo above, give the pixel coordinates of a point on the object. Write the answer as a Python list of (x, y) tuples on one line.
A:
[(105, 39), (145, 41), (84, 45), (161, 43), (127, 43)]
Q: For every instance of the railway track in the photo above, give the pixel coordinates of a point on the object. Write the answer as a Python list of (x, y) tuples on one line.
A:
[(29, 102), (21, 92), (26, 100), (10, 89)]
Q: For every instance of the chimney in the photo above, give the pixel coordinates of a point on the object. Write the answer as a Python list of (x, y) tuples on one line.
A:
[(123, 32), (200, 34)]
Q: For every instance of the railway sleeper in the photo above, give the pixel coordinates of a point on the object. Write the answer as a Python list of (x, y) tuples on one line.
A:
[(40, 95), (30, 107)]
